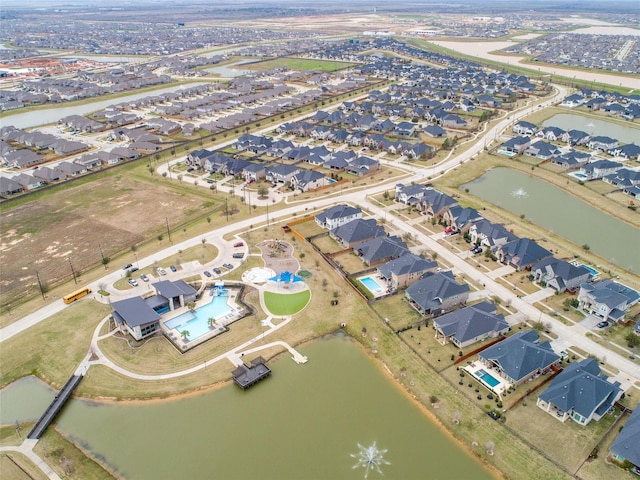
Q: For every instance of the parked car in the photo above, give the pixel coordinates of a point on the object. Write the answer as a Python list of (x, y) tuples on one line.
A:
[(207, 273), (238, 255), (228, 266), (173, 268), (128, 265), (217, 271), (161, 271), (144, 278), (133, 269), (238, 244), (133, 282), (603, 324), (475, 250)]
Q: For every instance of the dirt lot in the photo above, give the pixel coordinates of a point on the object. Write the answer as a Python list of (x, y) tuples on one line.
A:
[(112, 213)]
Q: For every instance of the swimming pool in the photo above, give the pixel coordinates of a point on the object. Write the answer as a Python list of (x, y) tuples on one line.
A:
[(371, 284), (591, 270), (197, 322), (486, 378)]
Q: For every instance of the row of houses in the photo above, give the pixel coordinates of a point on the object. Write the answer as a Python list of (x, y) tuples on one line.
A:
[(36, 144), (611, 103)]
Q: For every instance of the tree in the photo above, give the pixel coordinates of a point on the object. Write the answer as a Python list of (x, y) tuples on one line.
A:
[(262, 192), (433, 399), (191, 306), (185, 334), (211, 321), (632, 339)]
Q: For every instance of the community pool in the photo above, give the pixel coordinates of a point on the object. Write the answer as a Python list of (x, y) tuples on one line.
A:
[(371, 284), (486, 378), (197, 322)]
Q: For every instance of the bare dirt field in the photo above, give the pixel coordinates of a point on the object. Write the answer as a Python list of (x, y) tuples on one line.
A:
[(113, 213)]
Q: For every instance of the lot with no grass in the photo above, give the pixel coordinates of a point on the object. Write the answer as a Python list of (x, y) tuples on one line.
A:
[(69, 227)]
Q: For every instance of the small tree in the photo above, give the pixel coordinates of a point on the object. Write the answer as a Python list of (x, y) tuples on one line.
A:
[(632, 339), (185, 334), (433, 399), (191, 306)]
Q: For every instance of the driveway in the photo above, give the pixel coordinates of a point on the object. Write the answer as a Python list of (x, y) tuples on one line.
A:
[(539, 295), (590, 321)]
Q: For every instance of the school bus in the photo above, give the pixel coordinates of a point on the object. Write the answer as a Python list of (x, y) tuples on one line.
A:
[(72, 297)]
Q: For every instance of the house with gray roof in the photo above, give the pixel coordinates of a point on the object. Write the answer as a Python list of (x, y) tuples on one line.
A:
[(381, 249), (135, 316), (435, 203), (436, 293), (9, 187), (542, 150), (337, 215), (625, 446), (405, 270), (178, 292), (522, 254), (575, 137), (519, 357), (308, 180), (253, 172), (409, 194), (29, 182), (491, 235), (49, 175), (629, 151), (522, 127), (515, 145), (560, 274), (602, 143), (460, 218), (281, 173), (580, 392), (468, 325), (607, 299), (358, 231)]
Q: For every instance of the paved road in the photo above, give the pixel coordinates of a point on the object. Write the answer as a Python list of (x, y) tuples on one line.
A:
[(575, 335)]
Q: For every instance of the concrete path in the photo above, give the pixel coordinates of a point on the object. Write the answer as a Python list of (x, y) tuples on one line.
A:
[(26, 449), (539, 295), (501, 272)]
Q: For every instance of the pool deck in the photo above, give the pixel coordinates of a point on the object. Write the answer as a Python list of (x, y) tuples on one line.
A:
[(378, 280), (473, 368)]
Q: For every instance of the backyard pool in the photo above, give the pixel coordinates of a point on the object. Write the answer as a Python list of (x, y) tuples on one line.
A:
[(197, 322), (591, 270), (372, 285), (486, 378)]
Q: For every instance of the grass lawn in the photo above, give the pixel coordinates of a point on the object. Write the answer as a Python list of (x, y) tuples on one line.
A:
[(396, 308), (53, 348), (327, 244), (9, 436), (14, 465), (350, 262), (569, 444), (286, 303), (298, 64), (67, 459)]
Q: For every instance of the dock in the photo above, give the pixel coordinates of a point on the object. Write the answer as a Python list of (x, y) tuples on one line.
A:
[(246, 376), (55, 407)]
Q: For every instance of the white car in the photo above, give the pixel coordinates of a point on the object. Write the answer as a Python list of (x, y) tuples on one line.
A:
[(133, 282), (161, 271)]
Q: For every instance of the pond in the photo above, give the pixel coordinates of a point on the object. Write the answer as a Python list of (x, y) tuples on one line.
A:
[(304, 422), (594, 127), (561, 213)]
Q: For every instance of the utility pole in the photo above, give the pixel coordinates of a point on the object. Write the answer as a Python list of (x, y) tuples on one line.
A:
[(40, 285), (102, 255), (72, 271), (267, 213), (226, 207), (166, 220)]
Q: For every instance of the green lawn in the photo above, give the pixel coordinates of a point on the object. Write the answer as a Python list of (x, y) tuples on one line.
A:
[(286, 304)]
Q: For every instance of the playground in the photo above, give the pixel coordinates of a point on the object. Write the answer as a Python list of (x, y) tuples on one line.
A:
[(278, 256)]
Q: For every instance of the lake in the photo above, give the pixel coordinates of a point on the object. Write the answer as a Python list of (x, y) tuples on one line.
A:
[(304, 422), (558, 211), (594, 127)]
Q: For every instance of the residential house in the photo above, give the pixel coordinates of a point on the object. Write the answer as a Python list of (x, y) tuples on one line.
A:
[(281, 173), (361, 166), (525, 128), (630, 151), (308, 180), (572, 159), (435, 203), (607, 299), (435, 131), (410, 194), (522, 253), (515, 145), (560, 274), (71, 169), (579, 392), (254, 172), (520, 357), (49, 175), (337, 215), (623, 178), (9, 186), (602, 143), (576, 137), (460, 218), (599, 168), (28, 182), (553, 134), (491, 235), (405, 270), (453, 121), (573, 101), (625, 447), (380, 250), (436, 293), (358, 231), (468, 325)]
